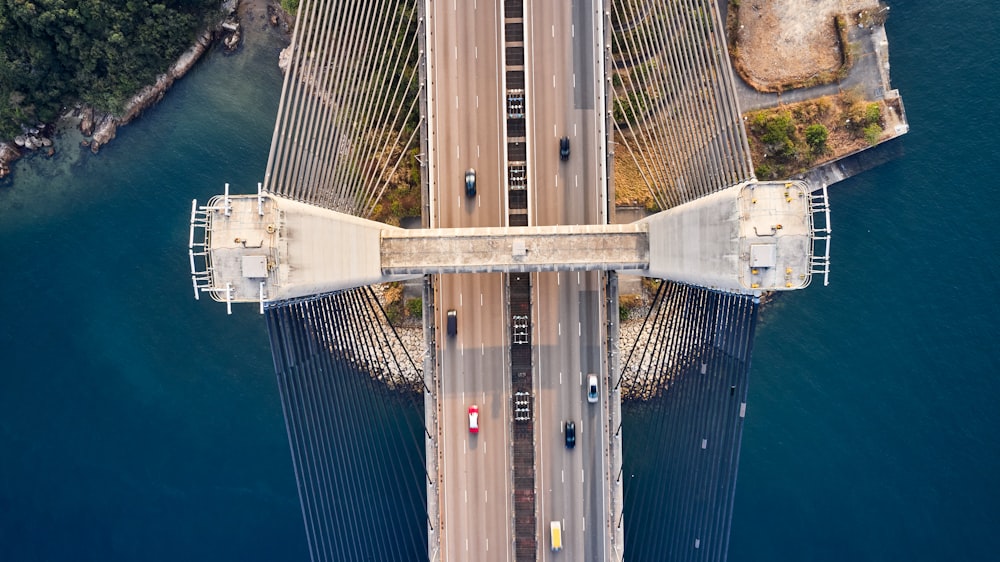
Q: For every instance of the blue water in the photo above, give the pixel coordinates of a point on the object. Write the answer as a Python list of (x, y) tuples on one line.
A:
[(874, 402), (135, 422), (138, 424)]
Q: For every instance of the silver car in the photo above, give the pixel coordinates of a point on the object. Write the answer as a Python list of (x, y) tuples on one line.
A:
[(592, 389)]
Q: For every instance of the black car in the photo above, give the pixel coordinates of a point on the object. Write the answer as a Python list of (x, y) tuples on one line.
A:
[(452, 322), (470, 182), (564, 148), (570, 430)]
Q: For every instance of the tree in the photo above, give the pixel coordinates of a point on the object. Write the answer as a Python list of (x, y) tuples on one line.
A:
[(816, 136), (778, 128), (58, 52)]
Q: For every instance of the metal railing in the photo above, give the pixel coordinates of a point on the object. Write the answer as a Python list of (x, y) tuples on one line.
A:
[(819, 207)]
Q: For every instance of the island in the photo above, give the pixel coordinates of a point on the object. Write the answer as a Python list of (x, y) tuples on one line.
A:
[(99, 65)]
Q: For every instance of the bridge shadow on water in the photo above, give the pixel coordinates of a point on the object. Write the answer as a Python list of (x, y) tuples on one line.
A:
[(356, 432), (356, 429), (682, 422)]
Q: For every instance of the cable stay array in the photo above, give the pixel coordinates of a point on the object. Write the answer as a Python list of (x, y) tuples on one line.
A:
[(362, 485), (673, 99), (684, 391), (348, 118), (348, 113)]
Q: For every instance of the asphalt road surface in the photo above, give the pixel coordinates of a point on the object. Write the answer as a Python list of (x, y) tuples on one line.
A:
[(567, 305), (466, 42), (467, 103)]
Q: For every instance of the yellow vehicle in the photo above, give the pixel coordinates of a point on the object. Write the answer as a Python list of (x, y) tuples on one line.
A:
[(556, 528)]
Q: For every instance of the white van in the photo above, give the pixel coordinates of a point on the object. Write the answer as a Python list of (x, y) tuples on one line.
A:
[(556, 528)]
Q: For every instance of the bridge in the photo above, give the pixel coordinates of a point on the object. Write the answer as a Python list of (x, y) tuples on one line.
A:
[(518, 118)]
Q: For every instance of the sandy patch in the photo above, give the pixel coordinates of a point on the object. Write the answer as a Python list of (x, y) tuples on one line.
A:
[(782, 41)]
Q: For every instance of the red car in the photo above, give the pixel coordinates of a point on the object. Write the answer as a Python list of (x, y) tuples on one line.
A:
[(473, 419)]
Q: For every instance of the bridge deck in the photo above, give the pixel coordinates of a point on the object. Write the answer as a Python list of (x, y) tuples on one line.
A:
[(538, 248)]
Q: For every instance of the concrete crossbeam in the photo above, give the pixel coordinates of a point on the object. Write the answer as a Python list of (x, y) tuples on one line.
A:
[(749, 238), (548, 248)]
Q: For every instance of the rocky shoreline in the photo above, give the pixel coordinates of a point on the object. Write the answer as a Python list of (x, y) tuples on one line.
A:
[(411, 343), (101, 127)]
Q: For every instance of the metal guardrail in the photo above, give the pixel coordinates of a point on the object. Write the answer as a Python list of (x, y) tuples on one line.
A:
[(819, 206)]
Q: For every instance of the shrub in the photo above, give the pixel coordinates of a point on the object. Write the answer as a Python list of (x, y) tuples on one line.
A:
[(777, 129), (764, 172), (392, 292), (394, 312), (872, 133), (787, 149), (823, 106), (852, 96), (873, 114), (415, 308), (856, 118), (626, 304), (816, 136), (631, 108)]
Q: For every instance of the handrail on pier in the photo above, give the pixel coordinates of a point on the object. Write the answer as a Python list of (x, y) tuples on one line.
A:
[(819, 206)]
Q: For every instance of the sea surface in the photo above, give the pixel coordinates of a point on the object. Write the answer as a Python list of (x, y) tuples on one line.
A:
[(139, 424)]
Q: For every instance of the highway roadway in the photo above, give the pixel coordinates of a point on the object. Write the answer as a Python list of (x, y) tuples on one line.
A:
[(466, 131), (567, 309), (465, 42)]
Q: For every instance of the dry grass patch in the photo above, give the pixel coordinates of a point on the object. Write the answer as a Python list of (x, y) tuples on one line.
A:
[(780, 144), (630, 188)]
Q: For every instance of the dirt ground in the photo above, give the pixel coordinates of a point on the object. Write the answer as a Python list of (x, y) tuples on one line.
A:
[(263, 15), (782, 41)]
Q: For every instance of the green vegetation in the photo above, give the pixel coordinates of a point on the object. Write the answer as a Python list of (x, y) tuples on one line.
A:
[(400, 311), (865, 119), (777, 132), (415, 308), (790, 139), (873, 114), (816, 135), (872, 133), (632, 108), (626, 304), (764, 171), (650, 286), (776, 129), (101, 52), (402, 197), (290, 6)]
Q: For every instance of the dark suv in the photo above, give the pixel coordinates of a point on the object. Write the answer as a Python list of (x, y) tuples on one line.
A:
[(470, 182), (564, 148), (570, 430)]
